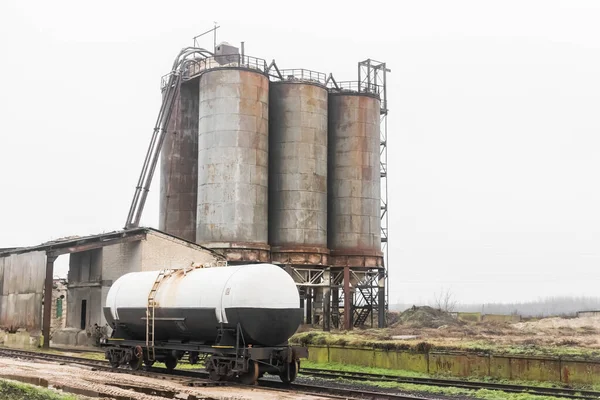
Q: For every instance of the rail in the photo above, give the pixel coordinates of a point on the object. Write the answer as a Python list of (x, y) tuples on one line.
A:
[(199, 378), (454, 383)]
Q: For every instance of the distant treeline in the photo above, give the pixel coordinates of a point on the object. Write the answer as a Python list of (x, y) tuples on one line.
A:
[(552, 306)]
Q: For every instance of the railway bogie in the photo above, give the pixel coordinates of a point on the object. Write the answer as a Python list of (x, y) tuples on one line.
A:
[(228, 362)]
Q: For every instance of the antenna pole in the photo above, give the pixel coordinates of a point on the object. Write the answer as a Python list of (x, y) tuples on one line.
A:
[(215, 38)]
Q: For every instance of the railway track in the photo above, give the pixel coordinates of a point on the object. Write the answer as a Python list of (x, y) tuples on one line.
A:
[(199, 378), (557, 392)]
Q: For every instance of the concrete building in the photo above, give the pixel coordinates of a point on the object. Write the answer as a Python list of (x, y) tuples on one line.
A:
[(95, 263)]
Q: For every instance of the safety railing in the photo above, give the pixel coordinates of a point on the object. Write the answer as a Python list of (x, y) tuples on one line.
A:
[(354, 87), (194, 67), (305, 75)]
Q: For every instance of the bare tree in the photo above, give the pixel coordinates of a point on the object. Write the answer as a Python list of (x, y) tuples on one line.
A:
[(445, 301)]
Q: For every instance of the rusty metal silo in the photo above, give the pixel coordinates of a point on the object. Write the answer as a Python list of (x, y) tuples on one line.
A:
[(233, 163), (354, 228), (179, 166), (298, 170)]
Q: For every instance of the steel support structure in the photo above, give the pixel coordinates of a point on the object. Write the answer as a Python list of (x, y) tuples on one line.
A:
[(372, 76)]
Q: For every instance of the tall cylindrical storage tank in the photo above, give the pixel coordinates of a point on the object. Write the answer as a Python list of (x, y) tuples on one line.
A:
[(233, 163), (354, 179), (179, 166), (298, 173)]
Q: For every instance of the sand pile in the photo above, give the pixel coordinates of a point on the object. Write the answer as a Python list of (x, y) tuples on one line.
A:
[(427, 317)]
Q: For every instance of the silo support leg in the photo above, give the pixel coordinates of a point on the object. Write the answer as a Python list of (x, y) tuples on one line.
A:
[(326, 302), (347, 300), (381, 320), (309, 306)]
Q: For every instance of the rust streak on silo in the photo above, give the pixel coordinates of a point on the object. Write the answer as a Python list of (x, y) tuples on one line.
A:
[(233, 163), (179, 166), (354, 228), (298, 173)]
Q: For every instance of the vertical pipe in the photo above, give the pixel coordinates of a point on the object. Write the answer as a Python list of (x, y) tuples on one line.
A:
[(347, 300), (335, 304), (242, 48), (50, 258), (309, 305), (381, 322), (326, 301)]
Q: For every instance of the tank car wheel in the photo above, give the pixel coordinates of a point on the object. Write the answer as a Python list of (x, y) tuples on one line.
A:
[(114, 364), (214, 376), (250, 377), (290, 372), (137, 358), (170, 363)]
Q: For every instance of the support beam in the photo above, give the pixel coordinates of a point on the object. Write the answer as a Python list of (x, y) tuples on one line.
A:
[(309, 306), (335, 310), (347, 300), (327, 302), (50, 258), (381, 320)]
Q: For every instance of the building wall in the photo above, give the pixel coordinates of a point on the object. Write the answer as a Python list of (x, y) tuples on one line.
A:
[(85, 282), (93, 314), (161, 251), (21, 290), (583, 314)]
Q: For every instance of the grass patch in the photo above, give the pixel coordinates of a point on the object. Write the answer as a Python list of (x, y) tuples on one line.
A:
[(10, 390), (355, 368), (450, 391), (382, 340), (336, 367)]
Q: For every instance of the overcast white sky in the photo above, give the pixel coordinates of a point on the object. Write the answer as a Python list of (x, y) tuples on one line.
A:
[(493, 128)]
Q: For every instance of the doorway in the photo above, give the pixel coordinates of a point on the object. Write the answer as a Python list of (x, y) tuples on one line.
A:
[(83, 313)]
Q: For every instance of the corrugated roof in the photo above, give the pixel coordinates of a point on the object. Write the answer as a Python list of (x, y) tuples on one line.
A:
[(63, 244)]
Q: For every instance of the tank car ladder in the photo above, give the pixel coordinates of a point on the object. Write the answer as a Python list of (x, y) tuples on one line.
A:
[(151, 305)]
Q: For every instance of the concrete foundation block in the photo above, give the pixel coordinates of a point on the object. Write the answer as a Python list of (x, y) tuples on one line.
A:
[(65, 337)]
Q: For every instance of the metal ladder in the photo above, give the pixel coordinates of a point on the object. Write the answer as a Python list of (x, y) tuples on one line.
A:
[(150, 307)]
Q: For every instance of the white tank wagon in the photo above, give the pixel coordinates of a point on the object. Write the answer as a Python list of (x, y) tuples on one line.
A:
[(237, 318)]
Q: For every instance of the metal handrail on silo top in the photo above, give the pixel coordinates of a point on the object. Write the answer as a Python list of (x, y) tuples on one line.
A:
[(357, 87), (304, 75)]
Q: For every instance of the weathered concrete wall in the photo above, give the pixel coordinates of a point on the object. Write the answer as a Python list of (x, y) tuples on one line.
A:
[(160, 252), (21, 290), (501, 318), (469, 316), (93, 311), (583, 314), (85, 281), (551, 369)]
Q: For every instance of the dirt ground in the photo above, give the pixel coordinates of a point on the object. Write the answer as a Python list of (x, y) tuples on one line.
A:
[(424, 328), (104, 383), (582, 332)]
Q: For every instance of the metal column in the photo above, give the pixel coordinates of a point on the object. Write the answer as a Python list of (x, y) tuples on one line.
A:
[(347, 300), (50, 258)]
